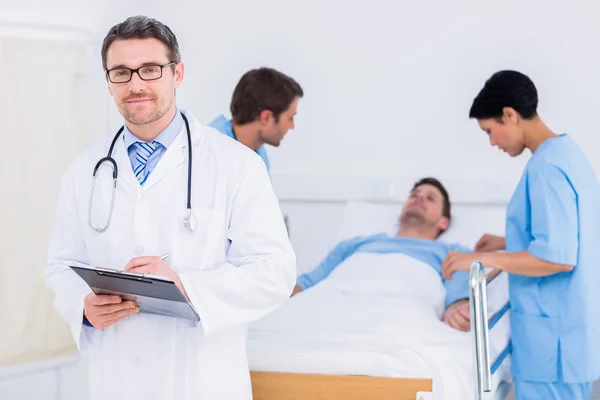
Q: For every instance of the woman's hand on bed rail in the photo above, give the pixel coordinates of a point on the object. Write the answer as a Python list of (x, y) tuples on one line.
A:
[(490, 243), (458, 315)]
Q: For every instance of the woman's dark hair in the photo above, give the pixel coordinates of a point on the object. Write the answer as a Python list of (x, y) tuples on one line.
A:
[(505, 89)]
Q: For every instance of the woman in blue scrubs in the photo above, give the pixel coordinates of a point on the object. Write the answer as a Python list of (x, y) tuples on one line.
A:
[(552, 246)]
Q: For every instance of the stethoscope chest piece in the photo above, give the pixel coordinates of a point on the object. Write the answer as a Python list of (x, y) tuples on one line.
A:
[(189, 221)]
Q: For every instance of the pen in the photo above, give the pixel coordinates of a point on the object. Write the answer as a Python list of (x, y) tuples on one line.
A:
[(165, 257)]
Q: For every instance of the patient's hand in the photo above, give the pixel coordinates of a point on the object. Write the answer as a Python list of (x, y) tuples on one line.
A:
[(458, 315), (490, 243)]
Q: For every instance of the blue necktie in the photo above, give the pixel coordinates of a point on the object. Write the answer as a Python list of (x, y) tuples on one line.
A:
[(142, 154)]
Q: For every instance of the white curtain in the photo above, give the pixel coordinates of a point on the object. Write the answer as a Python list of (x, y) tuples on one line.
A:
[(45, 98)]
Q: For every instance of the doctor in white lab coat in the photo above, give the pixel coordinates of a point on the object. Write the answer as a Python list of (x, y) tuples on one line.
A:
[(236, 267)]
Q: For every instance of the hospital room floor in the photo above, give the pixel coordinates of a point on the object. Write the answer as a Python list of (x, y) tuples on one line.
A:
[(595, 393)]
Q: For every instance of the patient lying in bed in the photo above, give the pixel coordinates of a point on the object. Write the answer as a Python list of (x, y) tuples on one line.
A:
[(424, 216)]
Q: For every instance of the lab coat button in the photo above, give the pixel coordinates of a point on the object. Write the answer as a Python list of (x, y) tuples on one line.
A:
[(139, 250)]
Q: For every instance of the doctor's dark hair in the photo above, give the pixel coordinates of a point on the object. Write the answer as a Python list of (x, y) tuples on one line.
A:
[(505, 89), (142, 27), (438, 185), (263, 89)]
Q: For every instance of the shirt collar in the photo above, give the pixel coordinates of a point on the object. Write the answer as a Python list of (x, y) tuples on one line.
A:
[(165, 138), (225, 126)]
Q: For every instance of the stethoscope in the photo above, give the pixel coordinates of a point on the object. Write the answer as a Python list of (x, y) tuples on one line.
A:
[(189, 221)]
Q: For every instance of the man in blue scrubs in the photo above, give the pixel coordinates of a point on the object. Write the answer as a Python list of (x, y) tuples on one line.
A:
[(552, 246), (424, 216), (263, 108)]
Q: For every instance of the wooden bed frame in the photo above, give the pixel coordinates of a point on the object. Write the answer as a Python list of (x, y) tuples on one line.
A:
[(292, 386)]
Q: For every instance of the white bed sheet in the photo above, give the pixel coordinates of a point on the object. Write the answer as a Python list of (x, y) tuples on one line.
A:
[(338, 328)]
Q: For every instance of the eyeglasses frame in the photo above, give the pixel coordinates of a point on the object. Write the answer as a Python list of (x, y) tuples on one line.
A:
[(137, 71)]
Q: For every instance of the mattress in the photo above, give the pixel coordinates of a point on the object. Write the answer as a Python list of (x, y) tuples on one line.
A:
[(333, 328)]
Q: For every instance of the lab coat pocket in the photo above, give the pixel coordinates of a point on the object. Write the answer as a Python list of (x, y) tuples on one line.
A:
[(193, 251), (534, 346)]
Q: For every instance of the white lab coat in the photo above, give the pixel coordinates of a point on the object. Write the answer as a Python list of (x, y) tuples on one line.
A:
[(236, 267)]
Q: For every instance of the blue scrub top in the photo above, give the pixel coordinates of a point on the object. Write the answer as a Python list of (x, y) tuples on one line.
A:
[(554, 214), (225, 126)]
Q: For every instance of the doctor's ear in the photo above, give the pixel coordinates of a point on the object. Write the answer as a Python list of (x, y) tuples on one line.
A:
[(178, 73)]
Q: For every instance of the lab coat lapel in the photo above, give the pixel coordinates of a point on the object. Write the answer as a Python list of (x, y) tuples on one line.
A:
[(171, 159), (125, 169), (176, 154)]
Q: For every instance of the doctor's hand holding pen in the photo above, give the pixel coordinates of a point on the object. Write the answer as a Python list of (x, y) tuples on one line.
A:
[(103, 311), (154, 265)]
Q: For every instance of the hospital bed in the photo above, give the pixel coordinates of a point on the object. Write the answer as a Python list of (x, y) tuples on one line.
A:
[(294, 354)]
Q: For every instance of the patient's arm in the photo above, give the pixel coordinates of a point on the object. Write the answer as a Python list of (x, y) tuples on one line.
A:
[(457, 295), (458, 315), (457, 288), (334, 258)]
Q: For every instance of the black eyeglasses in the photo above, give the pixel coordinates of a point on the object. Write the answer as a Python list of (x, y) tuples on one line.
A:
[(146, 73)]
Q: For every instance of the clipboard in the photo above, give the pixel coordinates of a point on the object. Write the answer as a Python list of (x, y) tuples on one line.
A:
[(152, 294)]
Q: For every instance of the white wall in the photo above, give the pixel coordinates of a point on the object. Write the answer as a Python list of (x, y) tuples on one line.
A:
[(389, 83), (86, 15), (61, 379)]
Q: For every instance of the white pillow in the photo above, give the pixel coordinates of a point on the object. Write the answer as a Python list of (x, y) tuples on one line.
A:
[(467, 225)]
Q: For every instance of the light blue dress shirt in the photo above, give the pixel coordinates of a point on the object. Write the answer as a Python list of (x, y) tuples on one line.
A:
[(165, 138), (554, 214), (225, 126), (430, 252)]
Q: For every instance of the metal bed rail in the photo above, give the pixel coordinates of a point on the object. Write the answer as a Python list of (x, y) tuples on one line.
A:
[(478, 282)]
